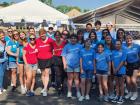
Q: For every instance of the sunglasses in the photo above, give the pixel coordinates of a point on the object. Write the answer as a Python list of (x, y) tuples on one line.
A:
[(10, 31), (32, 39)]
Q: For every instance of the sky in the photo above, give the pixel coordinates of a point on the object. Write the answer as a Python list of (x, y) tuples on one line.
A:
[(83, 4)]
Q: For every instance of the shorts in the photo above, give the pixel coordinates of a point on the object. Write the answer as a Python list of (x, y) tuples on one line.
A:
[(131, 67), (119, 75), (32, 66), (87, 74), (57, 61), (44, 63), (69, 69), (101, 72), (12, 65)]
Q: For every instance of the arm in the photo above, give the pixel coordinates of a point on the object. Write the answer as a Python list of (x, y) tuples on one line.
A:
[(94, 66), (24, 57), (8, 50), (113, 67), (81, 68), (64, 62)]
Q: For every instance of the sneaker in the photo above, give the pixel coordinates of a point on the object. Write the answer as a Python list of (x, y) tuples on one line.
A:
[(0, 92), (81, 98), (128, 95), (134, 96), (69, 95), (78, 94), (42, 91), (112, 96), (13, 89), (3, 90), (23, 90), (106, 98), (44, 94), (120, 100), (29, 94), (87, 97), (115, 99)]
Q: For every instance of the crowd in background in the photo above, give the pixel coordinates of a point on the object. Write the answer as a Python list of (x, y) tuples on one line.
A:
[(107, 55)]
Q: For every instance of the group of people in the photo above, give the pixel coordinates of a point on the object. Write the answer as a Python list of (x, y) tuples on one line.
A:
[(109, 55)]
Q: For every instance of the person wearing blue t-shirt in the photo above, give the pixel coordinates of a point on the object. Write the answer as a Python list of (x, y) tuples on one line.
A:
[(71, 61), (87, 69), (11, 50), (109, 26), (133, 59), (109, 46), (3, 60), (98, 30), (102, 66), (118, 65), (50, 32), (21, 70), (94, 40), (9, 35)]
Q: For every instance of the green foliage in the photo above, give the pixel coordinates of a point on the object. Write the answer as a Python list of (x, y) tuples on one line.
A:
[(48, 2), (65, 8)]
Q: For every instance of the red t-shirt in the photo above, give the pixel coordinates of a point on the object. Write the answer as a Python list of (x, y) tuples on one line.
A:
[(57, 49), (44, 48), (31, 54)]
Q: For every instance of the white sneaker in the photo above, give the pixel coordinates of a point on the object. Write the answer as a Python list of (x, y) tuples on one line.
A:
[(69, 94), (128, 95), (81, 98), (0, 92), (42, 91), (4, 90), (78, 94), (23, 90), (44, 94), (87, 97), (134, 96)]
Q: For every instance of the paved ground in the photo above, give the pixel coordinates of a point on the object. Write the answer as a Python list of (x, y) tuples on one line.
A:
[(16, 98)]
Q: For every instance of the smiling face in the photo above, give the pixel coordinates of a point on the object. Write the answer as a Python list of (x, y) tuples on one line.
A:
[(87, 43), (10, 32), (32, 39), (118, 45), (22, 36), (2, 36), (129, 39), (100, 48), (73, 40), (92, 36), (108, 39), (120, 34), (16, 35)]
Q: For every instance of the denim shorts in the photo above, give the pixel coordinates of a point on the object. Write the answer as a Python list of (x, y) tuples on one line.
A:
[(87, 74), (12, 65), (69, 69), (101, 72), (32, 66)]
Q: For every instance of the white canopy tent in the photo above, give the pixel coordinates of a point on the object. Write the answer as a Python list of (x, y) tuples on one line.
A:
[(32, 11)]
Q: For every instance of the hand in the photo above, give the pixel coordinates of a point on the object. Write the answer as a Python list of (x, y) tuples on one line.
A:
[(16, 55)]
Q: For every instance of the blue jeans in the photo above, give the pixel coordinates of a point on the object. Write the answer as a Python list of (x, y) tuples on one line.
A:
[(3, 67)]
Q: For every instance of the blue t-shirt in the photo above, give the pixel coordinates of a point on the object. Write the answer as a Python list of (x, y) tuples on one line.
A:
[(50, 35), (86, 35), (3, 55), (102, 61), (7, 39), (113, 34), (87, 57), (119, 56), (132, 53), (99, 35), (14, 45), (20, 57), (72, 54), (94, 44)]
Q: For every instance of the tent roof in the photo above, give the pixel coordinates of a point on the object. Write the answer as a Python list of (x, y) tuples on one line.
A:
[(31, 11), (128, 8)]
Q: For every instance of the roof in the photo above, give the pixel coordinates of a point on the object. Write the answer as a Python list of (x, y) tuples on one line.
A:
[(73, 13), (128, 8), (31, 11)]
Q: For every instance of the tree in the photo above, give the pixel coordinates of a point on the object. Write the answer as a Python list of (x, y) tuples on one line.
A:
[(5, 4), (65, 8), (48, 2)]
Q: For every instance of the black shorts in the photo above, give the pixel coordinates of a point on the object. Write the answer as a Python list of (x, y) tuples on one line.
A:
[(44, 63), (131, 67), (57, 61)]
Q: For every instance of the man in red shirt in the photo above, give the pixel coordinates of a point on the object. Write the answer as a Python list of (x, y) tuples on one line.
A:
[(45, 46)]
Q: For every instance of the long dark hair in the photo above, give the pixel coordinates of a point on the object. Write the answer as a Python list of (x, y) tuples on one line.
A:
[(79, 32), (108, 33), (94, 34), (117, 35), (111, 44)]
